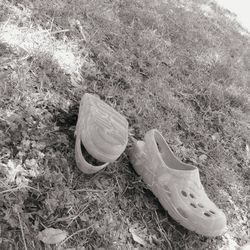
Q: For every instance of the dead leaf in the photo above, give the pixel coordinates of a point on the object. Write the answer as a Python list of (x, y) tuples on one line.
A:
[(52, 204), (203, 157), (15, 173), (137, 238), (52, 236)]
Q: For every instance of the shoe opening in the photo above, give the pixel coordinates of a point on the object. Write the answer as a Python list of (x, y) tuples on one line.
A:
[(168, 156), (89, 158)]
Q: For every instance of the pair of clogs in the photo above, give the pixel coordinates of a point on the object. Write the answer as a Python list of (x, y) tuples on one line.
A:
[(104, 134)]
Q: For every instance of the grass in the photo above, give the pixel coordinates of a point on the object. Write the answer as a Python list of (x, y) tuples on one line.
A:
[(180, 68)]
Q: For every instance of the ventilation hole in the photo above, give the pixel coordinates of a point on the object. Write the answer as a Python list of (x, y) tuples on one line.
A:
[(211, 211), (182, 212), (89, 158), (192, 196), (207, 214), (200, 205), (184, 193), (193, 205)]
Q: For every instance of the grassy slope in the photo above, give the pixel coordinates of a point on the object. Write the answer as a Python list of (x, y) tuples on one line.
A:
[(160, 64)]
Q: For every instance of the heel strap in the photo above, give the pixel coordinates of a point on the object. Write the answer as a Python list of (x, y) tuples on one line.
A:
[(82, 164)]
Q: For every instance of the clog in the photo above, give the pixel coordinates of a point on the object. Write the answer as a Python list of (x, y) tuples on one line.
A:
[(177, 185), (102, 131)]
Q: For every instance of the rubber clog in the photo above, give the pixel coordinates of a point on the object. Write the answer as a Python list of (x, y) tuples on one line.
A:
[(102, 131), (177, 185)]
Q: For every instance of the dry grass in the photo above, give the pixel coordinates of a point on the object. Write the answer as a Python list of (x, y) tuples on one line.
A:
[(180, 67)]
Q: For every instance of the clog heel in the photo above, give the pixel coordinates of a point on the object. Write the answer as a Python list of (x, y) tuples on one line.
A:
[(102, 131)]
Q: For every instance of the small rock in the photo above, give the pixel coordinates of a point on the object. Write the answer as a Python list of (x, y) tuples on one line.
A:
[(203, 157), (215, 136), (52, 236)]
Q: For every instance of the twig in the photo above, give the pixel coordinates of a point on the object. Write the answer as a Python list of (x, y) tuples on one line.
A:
[(59, 31), (21, 227), (17, 188), (69, 237), (76, 216), (10, 190), (79, 26), (90, 190), (161, 230), (50, 32)]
